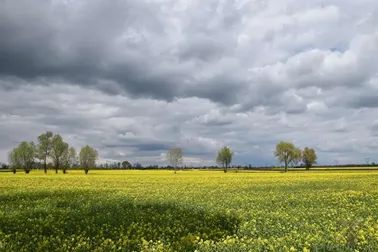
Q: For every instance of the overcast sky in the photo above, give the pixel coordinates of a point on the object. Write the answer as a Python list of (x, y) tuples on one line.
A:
[(133, 78)]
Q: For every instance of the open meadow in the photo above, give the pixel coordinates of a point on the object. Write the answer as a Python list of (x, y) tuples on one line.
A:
[(190, 210)]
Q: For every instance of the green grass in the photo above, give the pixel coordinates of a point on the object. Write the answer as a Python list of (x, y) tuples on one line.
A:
[(190, 210)]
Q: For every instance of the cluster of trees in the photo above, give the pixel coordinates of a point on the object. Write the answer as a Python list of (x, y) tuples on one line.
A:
[(285, 152), (289, 154), (175, 157), (4, 166), (124, 165), (50, 146)]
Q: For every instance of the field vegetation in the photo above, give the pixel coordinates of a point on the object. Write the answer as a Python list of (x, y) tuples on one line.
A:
[(188, 211)]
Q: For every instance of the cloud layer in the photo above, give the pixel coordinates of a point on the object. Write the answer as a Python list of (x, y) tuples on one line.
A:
[(134, 78)]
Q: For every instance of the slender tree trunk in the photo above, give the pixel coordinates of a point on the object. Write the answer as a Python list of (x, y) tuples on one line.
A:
[(225, 169), (57, 167), (285, 165), (45, 165), (86, 171)]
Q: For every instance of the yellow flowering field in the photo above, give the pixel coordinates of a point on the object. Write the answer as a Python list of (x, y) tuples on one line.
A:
[(189, 211)]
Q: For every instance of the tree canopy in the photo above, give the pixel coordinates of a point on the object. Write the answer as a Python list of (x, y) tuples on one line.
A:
[(58, 148), (88, 157), (224, 157), (23, 156), (309, 157), (68, 159), (126, 165), (174, 157), (44, 147), (287, 153)]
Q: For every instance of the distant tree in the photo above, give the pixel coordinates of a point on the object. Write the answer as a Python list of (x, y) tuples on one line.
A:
[(174, 157), (287, 152), (44, 147), (224, 157), (13, 161), (88, 157), (309, 157), (23, 156), (126, 165), (58, 148), (4, 166), (68, 159), (138, 166)]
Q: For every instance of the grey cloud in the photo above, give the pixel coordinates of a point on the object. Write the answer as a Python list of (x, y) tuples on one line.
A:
[(374, 128), (134, 78), (341, 126), (203, 48), (134, 50), (69, 42), (140, 147), (364, 101), (121, 131)]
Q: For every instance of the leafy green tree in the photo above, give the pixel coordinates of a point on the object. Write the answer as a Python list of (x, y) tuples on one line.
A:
[(44, 147), (287, 152), (69, 159), (309, 157), (4, 166), (126, 165), (88, 157), (58, 147), (23, 156), (224, 157), (13, 162), (174, 157)]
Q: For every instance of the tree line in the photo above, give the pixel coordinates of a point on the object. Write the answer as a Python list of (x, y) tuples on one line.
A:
[(50, 146), (285, 152)]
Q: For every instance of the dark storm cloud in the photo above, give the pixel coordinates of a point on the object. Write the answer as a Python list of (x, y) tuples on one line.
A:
[(77, 44), (84, 43)]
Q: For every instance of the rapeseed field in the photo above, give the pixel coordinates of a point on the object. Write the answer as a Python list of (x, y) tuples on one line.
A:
[(189, 211)]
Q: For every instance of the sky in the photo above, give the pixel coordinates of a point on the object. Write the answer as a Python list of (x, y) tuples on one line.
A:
[(134, 78)]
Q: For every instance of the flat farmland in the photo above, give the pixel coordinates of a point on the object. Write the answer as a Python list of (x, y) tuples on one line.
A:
[(188, 211)]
